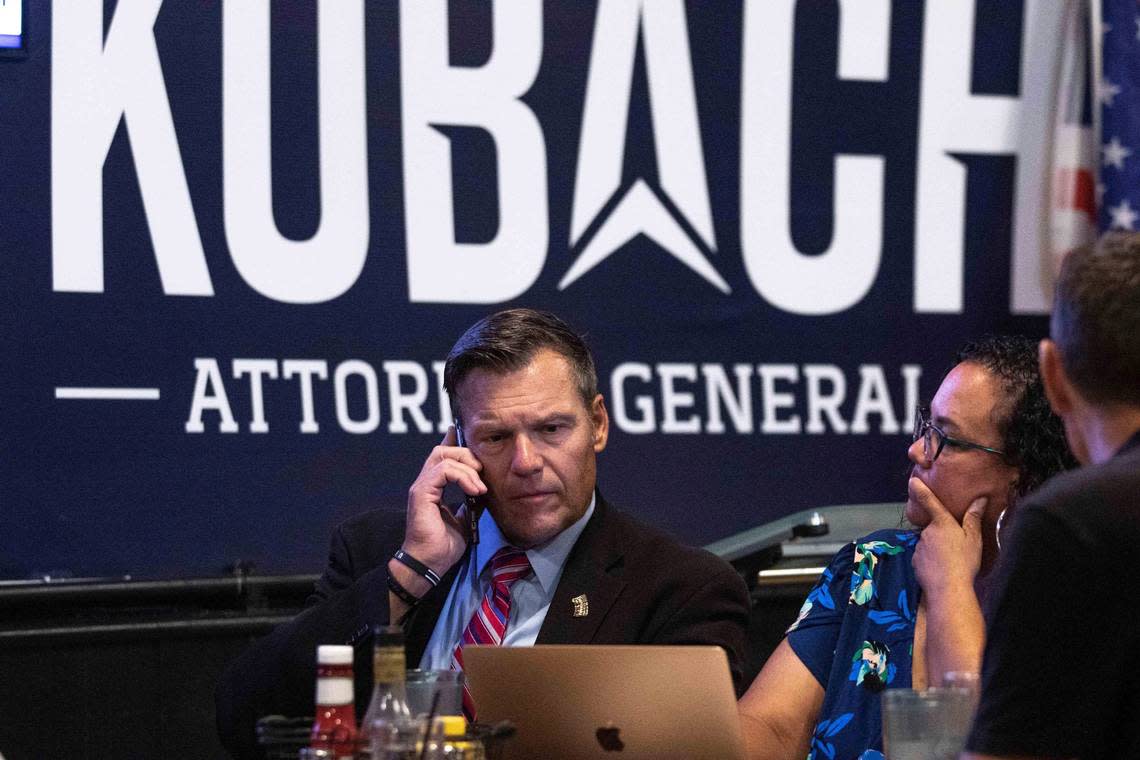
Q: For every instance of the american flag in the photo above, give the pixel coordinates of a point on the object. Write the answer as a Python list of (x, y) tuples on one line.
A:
[(1072, 206), (1119, 95)]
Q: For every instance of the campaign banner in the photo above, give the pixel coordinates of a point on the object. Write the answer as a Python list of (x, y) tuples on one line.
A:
[(239, 239)]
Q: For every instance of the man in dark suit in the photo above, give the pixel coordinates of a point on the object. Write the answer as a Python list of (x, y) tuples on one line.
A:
[(1059, 677), (523, 390)]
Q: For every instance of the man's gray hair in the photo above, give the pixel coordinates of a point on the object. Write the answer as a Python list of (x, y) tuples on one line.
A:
[(508, 340)]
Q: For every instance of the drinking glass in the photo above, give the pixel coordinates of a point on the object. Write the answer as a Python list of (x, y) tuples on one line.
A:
[(926, 725), (399, 739), (423, 685)]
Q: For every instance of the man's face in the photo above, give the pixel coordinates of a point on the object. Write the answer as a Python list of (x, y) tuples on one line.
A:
[(537, 442), (965, 407)]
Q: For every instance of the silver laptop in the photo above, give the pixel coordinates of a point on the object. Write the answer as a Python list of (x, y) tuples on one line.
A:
[(610, 702)]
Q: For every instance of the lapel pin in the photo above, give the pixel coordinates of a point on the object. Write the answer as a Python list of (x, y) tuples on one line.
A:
[(581, 605)]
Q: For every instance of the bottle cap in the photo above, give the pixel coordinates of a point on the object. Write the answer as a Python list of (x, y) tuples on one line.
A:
[(334, 654), (388, 636), (451, 725)]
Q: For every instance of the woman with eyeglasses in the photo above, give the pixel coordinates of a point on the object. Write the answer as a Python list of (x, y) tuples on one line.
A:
[(901, 608)]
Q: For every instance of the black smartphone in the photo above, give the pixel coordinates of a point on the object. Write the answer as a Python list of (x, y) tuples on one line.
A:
[(475, 504)]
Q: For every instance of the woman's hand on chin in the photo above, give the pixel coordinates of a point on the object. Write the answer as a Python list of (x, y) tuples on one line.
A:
[(948, 555)]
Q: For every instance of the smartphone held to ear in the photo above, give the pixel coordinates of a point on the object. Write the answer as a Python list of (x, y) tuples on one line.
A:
[(475, 504)]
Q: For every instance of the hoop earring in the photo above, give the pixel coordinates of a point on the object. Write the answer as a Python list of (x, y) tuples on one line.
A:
[(997, 528)]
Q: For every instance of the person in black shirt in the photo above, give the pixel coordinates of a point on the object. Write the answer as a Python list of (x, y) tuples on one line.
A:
[(1061, 673)]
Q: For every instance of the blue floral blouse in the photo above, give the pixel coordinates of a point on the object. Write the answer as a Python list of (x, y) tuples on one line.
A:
[(855, 633)]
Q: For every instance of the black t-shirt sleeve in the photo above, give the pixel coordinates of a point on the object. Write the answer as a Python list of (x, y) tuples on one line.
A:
[(1046, 679)]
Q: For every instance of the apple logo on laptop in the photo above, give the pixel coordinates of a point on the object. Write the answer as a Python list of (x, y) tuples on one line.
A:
[(610, 739)]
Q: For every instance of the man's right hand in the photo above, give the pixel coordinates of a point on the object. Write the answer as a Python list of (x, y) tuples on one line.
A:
[(433, 534)]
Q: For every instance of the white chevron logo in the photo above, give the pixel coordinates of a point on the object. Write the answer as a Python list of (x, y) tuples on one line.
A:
[(641, 212), (642, 209)]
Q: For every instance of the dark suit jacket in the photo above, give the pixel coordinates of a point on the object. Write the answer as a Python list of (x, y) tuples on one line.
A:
[(643, 588)]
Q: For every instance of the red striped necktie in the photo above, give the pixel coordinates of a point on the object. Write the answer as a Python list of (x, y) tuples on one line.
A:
[(489, 623)]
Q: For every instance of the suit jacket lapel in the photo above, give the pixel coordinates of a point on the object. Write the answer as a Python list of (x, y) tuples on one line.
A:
[(592, 568)]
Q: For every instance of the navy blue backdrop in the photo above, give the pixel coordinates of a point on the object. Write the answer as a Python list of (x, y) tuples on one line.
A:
[(738, 394)]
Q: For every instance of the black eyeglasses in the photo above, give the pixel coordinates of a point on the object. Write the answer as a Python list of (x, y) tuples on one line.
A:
[(934, 440)]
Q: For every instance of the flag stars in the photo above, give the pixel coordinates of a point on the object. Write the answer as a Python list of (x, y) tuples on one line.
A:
[(1123, 216), (1118, 195), (1115, 153), (1108, 91)]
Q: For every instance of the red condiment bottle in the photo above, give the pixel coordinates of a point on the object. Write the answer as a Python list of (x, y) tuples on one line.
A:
[(334, 728)]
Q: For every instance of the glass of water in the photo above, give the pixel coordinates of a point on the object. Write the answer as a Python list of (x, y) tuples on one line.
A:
[(926, 725)]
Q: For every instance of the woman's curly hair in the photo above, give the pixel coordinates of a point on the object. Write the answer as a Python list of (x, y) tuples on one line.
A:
[(1033, 437)]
